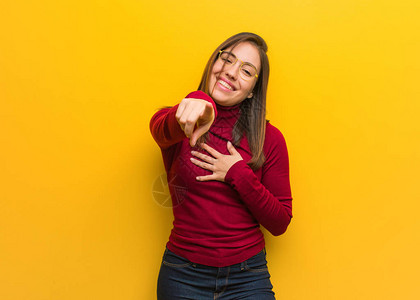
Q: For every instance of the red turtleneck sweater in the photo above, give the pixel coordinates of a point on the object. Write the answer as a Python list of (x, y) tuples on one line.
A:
[(218, 223)]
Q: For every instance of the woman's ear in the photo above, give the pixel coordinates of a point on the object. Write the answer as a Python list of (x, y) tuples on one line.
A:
[(250, 95)]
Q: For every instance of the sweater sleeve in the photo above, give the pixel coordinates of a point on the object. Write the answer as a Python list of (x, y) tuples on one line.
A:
[(164, 126), (269, 200)]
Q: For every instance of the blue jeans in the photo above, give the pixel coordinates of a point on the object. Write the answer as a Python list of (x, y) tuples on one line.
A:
[(179, 278)]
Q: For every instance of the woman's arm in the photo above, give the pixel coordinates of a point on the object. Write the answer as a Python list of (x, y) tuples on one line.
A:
[(269, 201)]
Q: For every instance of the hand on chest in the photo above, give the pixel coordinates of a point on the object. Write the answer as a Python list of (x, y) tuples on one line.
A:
[(189, 171)]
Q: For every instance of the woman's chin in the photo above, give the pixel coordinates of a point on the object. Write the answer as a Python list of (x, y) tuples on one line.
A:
[(222, 102), (226, 102)]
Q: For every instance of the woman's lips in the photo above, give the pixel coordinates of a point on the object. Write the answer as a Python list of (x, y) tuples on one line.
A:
[(225, 85)]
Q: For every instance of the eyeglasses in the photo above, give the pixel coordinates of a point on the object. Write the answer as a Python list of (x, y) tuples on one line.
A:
[(246, 70)]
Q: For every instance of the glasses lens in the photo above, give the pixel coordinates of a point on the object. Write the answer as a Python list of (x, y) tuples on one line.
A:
[(248, 71), (227, 57)]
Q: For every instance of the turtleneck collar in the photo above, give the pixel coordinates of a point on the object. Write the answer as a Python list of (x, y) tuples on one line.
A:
[(221, 107), (227, 115)]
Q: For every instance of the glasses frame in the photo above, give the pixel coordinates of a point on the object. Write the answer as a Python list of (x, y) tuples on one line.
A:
[(240, 67)]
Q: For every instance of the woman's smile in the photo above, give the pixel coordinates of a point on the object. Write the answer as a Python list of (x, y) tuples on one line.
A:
[(225, 84)]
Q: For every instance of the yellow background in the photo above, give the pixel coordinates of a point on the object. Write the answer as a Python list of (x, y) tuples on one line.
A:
[(79, 81)]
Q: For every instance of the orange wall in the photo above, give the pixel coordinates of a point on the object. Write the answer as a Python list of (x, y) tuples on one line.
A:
[(79, 81)]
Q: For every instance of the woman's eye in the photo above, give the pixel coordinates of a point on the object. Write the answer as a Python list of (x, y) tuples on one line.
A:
[(246, 72), (227, 60)]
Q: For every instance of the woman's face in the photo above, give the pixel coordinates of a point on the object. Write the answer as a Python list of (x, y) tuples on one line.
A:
[(226, 86)]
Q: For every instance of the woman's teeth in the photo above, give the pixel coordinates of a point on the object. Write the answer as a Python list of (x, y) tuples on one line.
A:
[(225, 85)]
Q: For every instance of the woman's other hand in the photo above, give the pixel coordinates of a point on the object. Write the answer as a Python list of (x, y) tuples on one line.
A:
[(191, 112), (217, 163)]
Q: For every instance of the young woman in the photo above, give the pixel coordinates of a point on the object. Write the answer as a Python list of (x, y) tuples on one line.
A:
[(228, 173)]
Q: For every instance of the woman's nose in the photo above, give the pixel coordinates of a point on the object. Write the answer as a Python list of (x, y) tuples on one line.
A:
[(233, 70)]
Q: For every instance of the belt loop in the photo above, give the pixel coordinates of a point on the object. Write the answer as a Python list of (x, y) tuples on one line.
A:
[(243, 264)]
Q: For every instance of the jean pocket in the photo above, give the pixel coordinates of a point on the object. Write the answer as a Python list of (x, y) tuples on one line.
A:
[(257, 263), (170, 259)]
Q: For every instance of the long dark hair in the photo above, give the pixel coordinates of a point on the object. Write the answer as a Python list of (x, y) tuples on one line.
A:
[(252, 119)]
